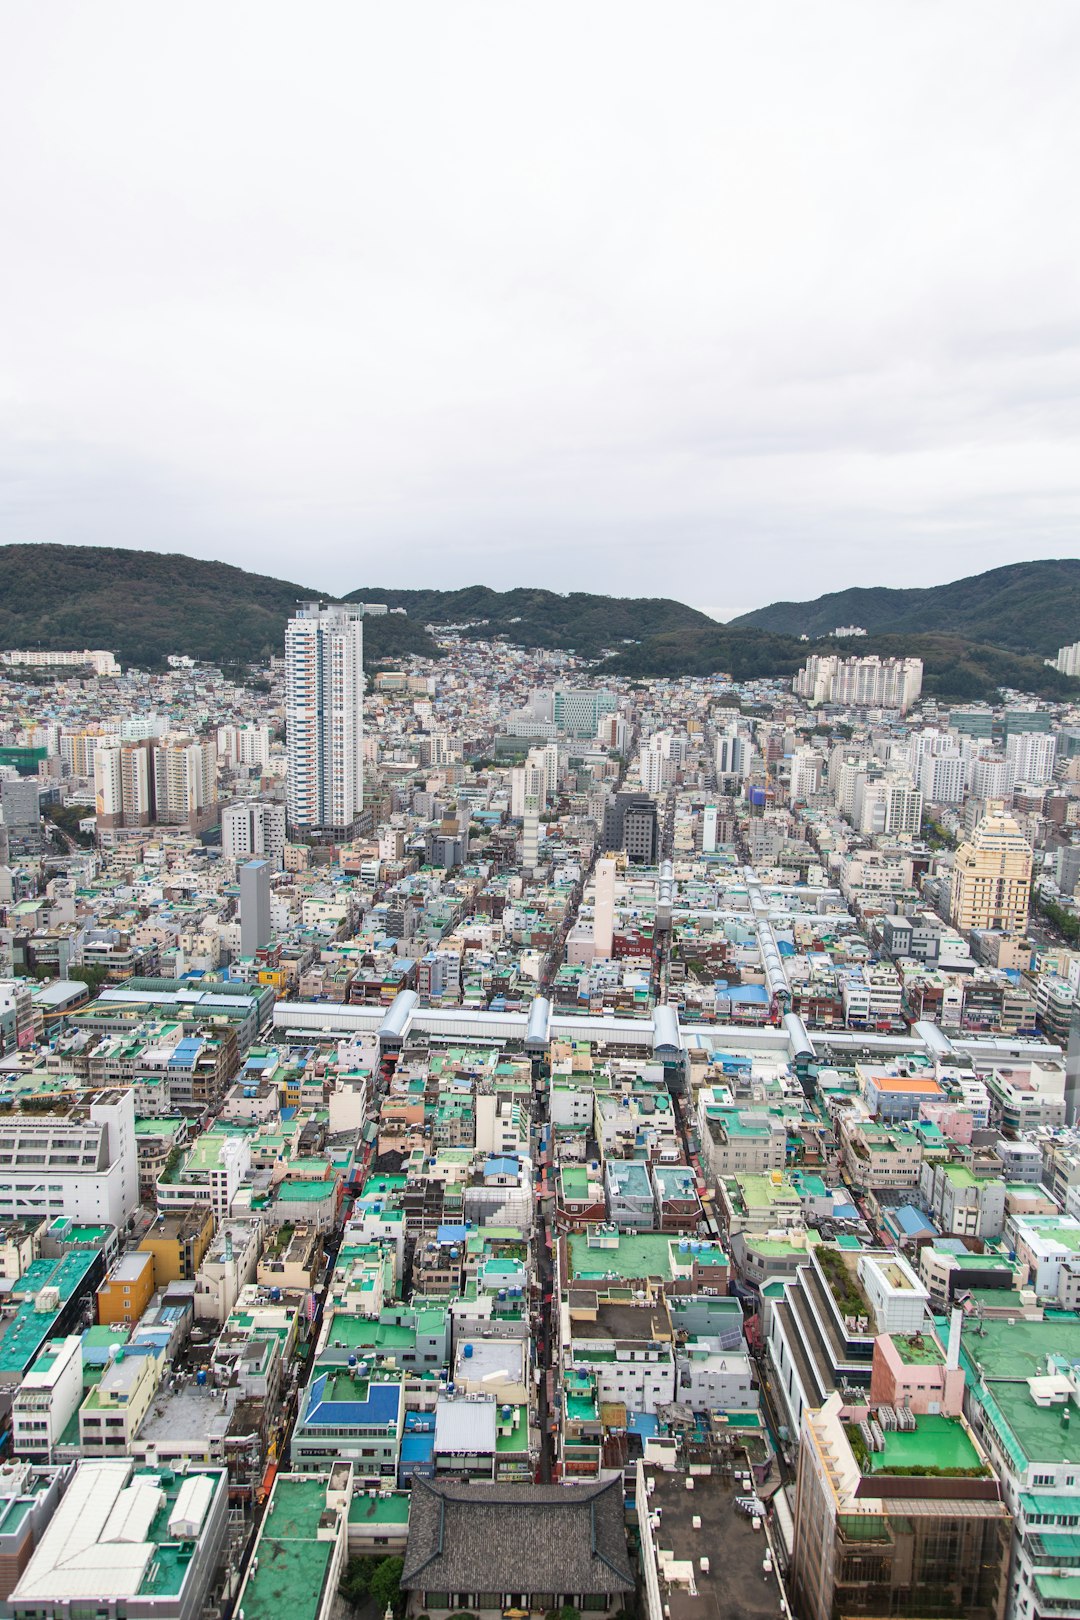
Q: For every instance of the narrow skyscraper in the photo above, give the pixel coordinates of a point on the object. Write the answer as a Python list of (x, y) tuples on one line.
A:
[(324, 718)]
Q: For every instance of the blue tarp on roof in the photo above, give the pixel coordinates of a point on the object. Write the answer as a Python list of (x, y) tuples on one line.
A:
[(911, 1221), (452, 1232), (502, 1166), (186, 1050)]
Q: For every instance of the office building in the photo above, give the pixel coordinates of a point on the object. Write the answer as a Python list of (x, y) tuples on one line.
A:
[(48, 1398), (302, 1546), (943, 778), (255, 925), (806, 772), (20, 803), (990, 777), (991, 880), (82, 1164), (631, 824), (732, 755), (324, 718), (655, 766), (254, 827), (127, 1541), (578, 712), (897, 1514)]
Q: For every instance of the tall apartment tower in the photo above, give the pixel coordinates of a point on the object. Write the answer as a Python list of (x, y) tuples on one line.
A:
[(992, 876), (324, 717)]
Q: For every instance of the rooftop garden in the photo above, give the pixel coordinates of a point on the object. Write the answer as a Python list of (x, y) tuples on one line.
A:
[(843, 1284)]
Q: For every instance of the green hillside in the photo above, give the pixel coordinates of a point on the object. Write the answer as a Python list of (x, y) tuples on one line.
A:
[(537, 618), (1030, 607), (143, 605), (955, 669)]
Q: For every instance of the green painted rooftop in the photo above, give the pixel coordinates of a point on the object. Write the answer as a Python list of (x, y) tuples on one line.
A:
[(935, 1442), (293, 1563)]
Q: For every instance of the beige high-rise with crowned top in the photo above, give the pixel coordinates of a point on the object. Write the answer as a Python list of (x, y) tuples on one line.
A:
[(991, 881)]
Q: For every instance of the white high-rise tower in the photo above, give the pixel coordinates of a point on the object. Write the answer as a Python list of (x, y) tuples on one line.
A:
[(324, 717)]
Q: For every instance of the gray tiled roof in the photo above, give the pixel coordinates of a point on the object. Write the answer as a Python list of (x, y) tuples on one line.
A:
[(517, 1538)]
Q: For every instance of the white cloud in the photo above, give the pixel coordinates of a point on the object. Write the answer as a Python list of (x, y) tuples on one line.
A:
[(725, 302)]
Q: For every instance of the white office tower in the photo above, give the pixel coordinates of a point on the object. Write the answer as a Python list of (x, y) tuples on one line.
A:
[(806, 767), (904, 806), (604, 909), (709, 821), (1030, 756), (655, 767), (887, 804), (528, 790), (732, 754), (324, 717), (530, 841), (253, 827)]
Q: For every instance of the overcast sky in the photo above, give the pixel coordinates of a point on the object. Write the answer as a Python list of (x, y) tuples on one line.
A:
[(726, 302)]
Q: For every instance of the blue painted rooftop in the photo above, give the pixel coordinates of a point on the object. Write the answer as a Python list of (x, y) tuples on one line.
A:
[(452, 1232), (337, 1398)]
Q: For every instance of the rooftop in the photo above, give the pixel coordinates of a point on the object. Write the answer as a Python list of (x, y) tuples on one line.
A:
[(733, 1588), (292, 1562), (938, 1443), (119, 1532)]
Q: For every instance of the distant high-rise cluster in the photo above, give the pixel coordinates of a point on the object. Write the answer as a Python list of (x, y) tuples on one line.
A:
[(1068, 659), (870, 682)]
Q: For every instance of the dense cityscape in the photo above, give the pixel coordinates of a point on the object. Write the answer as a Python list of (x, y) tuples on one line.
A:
[(478, 1136)]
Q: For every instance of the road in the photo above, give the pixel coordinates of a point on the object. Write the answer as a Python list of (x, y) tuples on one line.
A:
[(546, 1338)]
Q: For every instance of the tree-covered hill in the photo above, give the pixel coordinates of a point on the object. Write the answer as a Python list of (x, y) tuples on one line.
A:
[(538, 618), (1030, 607), (143, 605)]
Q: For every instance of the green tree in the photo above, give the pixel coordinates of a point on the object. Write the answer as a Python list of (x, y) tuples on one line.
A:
[(355, 1585), (386, 1586)]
